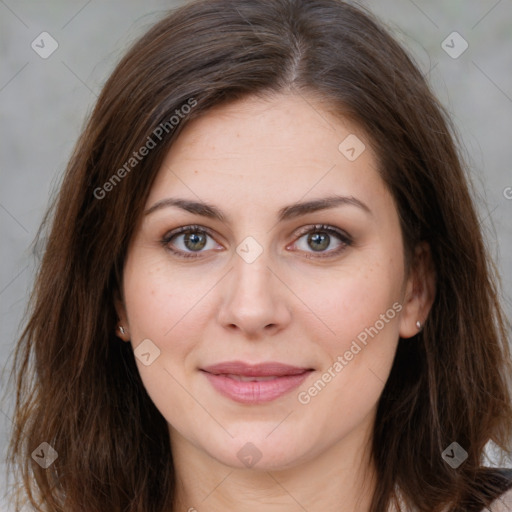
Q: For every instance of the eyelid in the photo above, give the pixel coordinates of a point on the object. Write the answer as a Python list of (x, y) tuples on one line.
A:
[(313, 228), (188, 227)]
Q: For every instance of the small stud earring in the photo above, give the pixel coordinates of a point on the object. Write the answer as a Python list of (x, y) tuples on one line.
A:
[(121, 329), (418, 325)]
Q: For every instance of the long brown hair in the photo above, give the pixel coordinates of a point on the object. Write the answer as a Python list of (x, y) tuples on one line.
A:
[(78, 388)]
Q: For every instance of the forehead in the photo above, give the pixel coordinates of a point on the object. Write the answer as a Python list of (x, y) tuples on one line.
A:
[(261, 151)]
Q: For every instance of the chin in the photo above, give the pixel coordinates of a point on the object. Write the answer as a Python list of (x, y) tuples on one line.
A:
[(259, 454)]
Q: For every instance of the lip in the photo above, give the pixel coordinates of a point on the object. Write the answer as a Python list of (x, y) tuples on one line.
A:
[(228, 378)]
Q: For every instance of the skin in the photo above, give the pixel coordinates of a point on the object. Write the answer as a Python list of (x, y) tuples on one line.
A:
[(250, 158)]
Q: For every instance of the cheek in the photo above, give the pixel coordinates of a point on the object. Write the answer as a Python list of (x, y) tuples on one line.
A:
[(363, 311), (159, 298), (361, 307), (163, 306), (350, 300)]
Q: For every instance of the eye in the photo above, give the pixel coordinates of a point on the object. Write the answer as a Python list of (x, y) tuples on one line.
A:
[(191, 241), (319, 238), (188, 240)]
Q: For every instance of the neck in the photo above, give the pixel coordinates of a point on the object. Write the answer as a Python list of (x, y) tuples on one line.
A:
[(340, 479)]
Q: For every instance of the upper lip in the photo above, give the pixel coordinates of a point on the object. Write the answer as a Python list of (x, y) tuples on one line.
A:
[(268, 369)]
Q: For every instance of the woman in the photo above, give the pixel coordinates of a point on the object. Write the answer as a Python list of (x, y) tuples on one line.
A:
[(265, 287)]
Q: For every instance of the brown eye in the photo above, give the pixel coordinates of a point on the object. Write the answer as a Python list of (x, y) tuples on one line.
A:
[(194, 241), (187, 240), (318, 239)]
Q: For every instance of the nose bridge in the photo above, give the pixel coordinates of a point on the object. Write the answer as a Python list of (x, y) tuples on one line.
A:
[(253, 299), (251, 277), (251, 262)]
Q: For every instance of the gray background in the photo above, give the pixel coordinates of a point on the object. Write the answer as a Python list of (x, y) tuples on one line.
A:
[(44, 103)]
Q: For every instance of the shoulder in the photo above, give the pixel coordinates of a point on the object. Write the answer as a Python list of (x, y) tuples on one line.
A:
[(503, 503)]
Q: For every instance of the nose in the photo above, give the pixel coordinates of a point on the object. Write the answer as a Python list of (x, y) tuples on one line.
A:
[(255, 301)]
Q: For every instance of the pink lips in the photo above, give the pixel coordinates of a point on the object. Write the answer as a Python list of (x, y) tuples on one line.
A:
[(253, 384)]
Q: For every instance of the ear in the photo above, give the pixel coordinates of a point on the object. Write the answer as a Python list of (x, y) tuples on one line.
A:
[(420, 290), (123, 318)]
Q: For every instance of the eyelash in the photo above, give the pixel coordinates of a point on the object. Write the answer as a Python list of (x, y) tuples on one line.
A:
[(317, 228)]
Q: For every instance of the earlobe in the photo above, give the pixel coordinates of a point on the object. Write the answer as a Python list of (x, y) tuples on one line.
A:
[(122, 329), (419, 293), (122, 333)]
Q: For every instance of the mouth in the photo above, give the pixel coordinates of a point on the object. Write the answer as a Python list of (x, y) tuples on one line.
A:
[(255, 384)]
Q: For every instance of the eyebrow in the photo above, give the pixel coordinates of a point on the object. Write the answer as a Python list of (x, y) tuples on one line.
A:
[(286, 213)]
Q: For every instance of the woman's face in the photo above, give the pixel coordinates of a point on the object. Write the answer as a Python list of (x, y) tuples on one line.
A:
[(261, 341)]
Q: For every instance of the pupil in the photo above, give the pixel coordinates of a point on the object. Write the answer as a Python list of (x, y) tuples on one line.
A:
[(321, 239), (197, 242)]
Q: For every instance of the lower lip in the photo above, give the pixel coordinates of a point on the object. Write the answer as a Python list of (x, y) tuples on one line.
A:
[(255, 392)]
